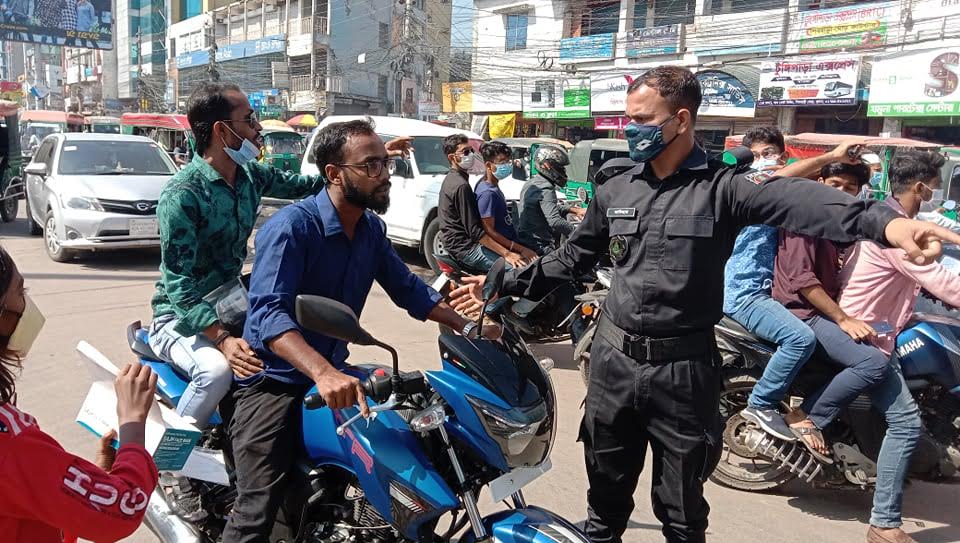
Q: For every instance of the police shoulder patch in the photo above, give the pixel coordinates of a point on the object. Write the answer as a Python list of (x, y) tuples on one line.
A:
[(757, 177)]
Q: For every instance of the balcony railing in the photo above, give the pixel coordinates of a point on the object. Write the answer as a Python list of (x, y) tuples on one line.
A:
[(300, 83), (303, 25)]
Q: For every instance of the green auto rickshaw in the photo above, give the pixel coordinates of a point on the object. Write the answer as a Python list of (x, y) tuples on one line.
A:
[(11, 162), (283, 148), (586, 158)]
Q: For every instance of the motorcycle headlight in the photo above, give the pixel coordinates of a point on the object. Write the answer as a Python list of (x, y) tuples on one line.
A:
[(525, 435)]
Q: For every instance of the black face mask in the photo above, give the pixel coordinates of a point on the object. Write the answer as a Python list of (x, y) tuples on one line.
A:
[(375, 201)]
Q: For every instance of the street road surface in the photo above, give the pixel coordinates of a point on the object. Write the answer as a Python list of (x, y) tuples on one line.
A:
[(96, 297)]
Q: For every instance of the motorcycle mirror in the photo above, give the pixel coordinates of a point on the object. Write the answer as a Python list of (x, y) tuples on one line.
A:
[(331, 318), (491, 286), (949, 205)]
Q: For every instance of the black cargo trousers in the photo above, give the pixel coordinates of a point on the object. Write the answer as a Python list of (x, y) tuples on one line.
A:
[(671, 405)]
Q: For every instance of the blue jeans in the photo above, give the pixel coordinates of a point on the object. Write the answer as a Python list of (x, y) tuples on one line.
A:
[(196, 356), (769, 320), (864, 367), (893, 398), (480, 258)]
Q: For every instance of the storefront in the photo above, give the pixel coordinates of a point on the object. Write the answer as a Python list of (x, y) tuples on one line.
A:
[(729, 105), (918, 95), (558, 107)]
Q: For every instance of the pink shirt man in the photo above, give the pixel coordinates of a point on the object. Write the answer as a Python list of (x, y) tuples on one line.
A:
[(878, 285)]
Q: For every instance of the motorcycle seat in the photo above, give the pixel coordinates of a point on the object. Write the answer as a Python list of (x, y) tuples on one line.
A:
[(458, 267), (141, 345)]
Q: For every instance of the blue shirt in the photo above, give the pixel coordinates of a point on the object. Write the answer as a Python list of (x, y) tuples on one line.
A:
[(303, 249), (85, 17), (492, 203), (749, 271)]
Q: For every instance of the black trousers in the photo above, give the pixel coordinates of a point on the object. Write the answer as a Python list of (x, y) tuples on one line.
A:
[(673, 407), (265, 435)]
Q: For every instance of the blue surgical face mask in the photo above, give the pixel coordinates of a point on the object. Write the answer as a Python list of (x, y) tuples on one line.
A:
[(876, 178), (248, 150), (503, 171), (646, 140)]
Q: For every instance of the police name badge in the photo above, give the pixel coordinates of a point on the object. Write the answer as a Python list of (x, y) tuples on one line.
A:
[(621, 212), (618, 248)]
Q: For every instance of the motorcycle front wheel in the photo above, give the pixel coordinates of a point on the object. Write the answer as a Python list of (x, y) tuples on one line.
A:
[(739, 467)]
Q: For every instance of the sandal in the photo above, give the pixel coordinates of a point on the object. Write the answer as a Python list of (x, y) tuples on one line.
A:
[(802, 432)]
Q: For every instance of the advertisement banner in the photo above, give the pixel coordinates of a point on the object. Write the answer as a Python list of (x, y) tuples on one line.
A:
[(823, 82), (558, 98), (11, 91), (657, 40), (586, 48), (408, 98), (724, 95), (481, 96), (737, 33), (863, 26), (610, 123), (72, 23), (916, 85), (608, 92), (502, 126), (235, 51)]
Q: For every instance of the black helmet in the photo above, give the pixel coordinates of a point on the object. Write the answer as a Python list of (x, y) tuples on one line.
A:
[(551, 162)]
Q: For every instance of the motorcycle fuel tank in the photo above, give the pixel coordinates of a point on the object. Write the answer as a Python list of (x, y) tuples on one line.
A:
[(930, 349)]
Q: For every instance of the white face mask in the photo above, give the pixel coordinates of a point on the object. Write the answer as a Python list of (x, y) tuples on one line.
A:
[(28, 328), (763, 163), (472, 164)]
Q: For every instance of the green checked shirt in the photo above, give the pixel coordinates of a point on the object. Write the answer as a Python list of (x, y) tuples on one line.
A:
[(204, 227)]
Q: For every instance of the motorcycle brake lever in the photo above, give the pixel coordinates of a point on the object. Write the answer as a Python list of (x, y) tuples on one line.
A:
[(389, 405)]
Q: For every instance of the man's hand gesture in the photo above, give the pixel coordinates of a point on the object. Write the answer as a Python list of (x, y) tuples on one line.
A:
[(920, 240)]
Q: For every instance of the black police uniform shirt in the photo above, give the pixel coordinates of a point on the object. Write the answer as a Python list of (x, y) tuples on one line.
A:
[(460, 225), (669, 239)]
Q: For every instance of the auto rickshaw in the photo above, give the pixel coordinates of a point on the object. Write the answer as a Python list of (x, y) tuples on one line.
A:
[(283, 147), (586, 158), (37, 124), (11, 163), (169, 131), (951, 177), (101, 125)]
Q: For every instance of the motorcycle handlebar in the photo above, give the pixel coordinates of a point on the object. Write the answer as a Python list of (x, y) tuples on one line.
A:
[(376, 385)]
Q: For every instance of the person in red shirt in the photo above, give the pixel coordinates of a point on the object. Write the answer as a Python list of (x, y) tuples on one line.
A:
[(47, 494)]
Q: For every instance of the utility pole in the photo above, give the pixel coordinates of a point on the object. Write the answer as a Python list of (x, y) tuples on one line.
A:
[(403, 70), (212, 72)]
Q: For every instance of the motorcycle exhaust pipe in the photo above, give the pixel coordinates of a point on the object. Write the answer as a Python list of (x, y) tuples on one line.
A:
[(166, 525), (791, 455)]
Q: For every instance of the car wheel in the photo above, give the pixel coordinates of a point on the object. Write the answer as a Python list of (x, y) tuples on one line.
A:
[(8, 209), (34, 228), (55, 250), (432, 244)]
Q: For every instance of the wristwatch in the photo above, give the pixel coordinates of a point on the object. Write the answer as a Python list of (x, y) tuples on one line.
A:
[(467, 328)]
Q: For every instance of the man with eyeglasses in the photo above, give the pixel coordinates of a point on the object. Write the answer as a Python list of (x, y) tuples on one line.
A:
[(330, 245), (206, 214)]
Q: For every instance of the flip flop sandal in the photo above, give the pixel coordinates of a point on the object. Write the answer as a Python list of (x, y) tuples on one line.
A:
[(808, 431)]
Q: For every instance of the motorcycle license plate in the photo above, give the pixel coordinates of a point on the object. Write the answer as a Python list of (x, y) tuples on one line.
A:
[(144, 227), (507, 484)]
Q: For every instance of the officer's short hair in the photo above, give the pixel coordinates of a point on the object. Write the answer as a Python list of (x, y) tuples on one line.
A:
[(492, 149), (451, 142), (859, 172), (770, 135), (332, 138), (676, 84), (909, 167)]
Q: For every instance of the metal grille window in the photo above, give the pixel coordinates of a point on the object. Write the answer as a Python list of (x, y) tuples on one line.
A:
[(516, 25), (669, 12)]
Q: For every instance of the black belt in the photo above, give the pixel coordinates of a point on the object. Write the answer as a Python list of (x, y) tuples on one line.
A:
[(656, 349)]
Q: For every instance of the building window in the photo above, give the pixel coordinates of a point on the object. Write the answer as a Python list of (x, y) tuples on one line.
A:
[(382, 87), (384, 37), (602, 18), (516, 24), (640, 14), (173, 48), (670, 12)]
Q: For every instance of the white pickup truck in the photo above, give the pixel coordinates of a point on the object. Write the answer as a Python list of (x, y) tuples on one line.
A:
[(412, 217)]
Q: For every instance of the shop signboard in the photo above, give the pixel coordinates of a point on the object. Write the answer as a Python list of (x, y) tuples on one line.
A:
[(251, 48), (737, 33), (653, 41), (924, 84), (820, 82), (608, 92), (41, 21), (429, 108), (482, 96), (862, 26), (610, 123), (556, 98), (587, 48), (724, 95)]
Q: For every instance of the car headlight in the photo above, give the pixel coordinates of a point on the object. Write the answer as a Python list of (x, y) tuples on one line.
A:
[(524, 434), (82, 202)]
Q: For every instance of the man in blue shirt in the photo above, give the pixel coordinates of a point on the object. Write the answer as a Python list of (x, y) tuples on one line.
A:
[(329, 245), (748, 278), (494, 214)]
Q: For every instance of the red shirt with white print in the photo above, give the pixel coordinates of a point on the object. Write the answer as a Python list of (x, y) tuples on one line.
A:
[(48, 495)]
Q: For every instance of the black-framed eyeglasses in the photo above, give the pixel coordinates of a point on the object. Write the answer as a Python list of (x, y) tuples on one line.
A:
[(375, 167), (251, 119)]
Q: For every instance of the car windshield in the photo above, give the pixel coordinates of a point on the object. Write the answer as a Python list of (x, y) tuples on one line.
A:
[(284, 145), (428, 151), (105, 128), (100, 157)]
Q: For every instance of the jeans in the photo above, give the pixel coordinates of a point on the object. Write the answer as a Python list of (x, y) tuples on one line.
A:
[(769, 320), (893, 398), (480, 258), (864, 367), (196, 356)]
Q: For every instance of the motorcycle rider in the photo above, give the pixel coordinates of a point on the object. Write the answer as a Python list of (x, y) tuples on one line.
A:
[(331, 245), (748, 278), (542, 217), (496, 218), (51, 495), (461, 228), (669, 223), (877, 286)]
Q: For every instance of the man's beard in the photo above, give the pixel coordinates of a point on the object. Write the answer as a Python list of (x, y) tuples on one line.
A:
[(377, 201)]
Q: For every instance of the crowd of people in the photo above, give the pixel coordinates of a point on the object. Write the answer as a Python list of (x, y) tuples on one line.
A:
[(808, 266)]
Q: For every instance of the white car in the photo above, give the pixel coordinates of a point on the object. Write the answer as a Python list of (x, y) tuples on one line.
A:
[(95, 192), (414, 194)]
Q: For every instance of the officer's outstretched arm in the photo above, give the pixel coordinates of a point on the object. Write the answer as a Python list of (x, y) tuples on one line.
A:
[(575, 257)]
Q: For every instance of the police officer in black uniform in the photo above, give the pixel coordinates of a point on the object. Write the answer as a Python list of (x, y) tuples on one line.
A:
[(668, 220)]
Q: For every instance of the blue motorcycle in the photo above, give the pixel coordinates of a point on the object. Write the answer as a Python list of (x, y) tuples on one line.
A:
[(928, 351), (433, 441)]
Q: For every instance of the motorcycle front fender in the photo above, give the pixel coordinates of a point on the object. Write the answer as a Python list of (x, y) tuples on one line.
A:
[(528, 525)]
